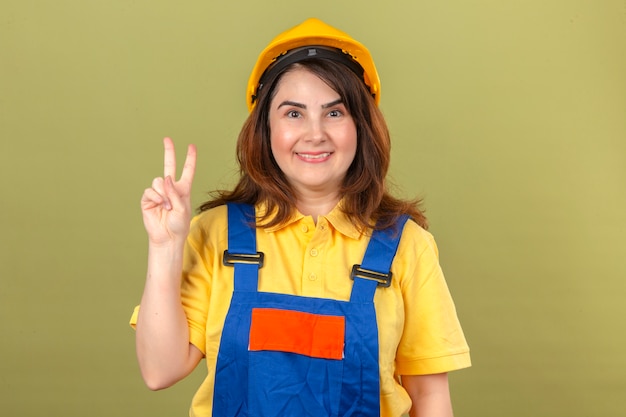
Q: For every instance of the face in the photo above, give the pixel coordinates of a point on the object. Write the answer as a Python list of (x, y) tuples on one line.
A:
[(313, 138)]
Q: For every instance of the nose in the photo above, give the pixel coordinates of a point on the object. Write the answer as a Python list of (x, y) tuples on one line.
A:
[(316, 132)]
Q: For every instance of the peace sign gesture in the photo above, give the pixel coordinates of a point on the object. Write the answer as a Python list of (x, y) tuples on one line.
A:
[(166, 206)]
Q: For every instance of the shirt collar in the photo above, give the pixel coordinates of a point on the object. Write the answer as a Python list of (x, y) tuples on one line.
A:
[(261, 210), (342, 223), (336, 218)]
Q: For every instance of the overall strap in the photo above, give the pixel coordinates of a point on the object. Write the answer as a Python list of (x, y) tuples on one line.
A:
[(242, 253), (375, 269)]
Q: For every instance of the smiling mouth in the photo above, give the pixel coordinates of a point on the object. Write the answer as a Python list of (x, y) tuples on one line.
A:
[(314, 156)]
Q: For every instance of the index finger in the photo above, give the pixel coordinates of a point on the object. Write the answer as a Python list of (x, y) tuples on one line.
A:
[(169, 159), (189, 169)]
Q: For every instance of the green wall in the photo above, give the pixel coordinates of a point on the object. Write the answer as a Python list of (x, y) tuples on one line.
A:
[(508, 117)]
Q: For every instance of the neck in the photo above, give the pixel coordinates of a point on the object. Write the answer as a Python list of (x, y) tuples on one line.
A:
[(316, 205)]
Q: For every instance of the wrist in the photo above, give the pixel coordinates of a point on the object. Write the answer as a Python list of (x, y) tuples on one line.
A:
[(166, 255), (165, 246)]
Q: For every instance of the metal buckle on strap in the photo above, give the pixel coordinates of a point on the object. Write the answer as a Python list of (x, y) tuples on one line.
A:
[(383, 280), (230, 259)]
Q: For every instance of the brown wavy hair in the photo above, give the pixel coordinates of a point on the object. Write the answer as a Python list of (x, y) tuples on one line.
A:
[(366, 198)]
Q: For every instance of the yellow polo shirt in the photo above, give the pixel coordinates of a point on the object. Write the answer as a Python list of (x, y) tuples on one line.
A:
[(418, 329)]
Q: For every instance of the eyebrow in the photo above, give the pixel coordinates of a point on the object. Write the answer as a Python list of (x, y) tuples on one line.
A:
[(303, 106)]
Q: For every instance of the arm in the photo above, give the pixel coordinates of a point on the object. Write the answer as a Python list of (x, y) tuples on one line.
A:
[(162, 340), (430, 395)]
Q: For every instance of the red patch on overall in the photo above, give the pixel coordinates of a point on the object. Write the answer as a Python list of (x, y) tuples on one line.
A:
[(313, 335)]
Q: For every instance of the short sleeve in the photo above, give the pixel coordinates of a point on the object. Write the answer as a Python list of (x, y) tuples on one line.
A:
[(432, 340), (199, 255), (133, 317)]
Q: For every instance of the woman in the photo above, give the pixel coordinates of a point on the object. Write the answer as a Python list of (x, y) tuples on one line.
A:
[(308, 288)]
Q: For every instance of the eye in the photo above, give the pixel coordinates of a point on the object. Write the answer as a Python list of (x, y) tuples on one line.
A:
[(335, 113), (294, 114)]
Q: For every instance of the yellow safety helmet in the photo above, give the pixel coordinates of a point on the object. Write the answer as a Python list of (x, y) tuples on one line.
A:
[(314, 33)]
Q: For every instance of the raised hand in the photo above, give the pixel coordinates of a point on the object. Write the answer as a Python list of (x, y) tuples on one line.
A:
[(166, 205)]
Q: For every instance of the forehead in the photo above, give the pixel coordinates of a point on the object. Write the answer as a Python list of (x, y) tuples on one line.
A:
[(303, 82)]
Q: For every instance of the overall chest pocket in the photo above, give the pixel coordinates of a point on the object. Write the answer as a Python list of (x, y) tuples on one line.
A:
[(295, 363)]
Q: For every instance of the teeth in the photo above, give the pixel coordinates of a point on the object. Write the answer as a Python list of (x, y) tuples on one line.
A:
[(318, 156)]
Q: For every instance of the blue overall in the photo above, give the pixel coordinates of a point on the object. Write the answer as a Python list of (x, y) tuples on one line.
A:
[(256, 377)]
